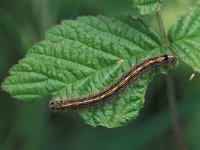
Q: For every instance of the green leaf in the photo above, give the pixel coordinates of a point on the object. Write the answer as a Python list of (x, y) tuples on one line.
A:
[(83, 56), (147, 7), (119, 111), (185, 38)]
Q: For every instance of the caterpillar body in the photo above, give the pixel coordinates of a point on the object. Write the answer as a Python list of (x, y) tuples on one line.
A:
[(115, 89)]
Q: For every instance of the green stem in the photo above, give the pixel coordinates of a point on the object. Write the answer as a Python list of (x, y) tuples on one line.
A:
[(171, 93), (162, 29)]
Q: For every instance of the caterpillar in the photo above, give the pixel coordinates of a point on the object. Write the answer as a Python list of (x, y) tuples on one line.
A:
[(115, 89)]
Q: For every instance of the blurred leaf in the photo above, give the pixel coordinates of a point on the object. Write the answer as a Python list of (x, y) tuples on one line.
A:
[(111, 7), (10, 41), (192, 128), (8, 24), (147, 7), (82, 57), (4, 61), (185, 38)]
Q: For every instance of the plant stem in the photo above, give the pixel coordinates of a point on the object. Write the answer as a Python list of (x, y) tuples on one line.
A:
[(175, 118), (171, 93), (162, 28)]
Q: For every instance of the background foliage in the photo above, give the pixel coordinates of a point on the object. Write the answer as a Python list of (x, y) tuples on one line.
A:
[(33, 126)]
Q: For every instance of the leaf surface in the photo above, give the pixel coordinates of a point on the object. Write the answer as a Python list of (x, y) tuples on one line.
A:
[(185, 38), (147, 7), (84, 56)]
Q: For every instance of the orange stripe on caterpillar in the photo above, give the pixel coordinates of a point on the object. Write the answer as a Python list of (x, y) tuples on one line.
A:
[(115, 89)]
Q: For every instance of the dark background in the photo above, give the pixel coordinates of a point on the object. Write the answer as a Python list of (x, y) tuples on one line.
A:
[(32, 126)]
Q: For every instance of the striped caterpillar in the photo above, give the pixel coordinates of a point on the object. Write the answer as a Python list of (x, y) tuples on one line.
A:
[(115, 89)]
